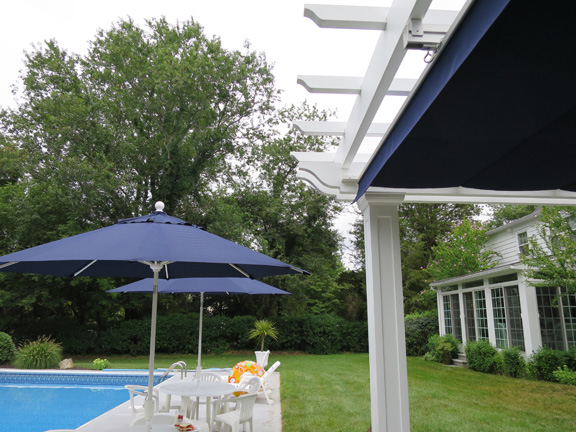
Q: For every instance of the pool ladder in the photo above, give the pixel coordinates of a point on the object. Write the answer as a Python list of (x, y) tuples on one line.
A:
[(178, 365)]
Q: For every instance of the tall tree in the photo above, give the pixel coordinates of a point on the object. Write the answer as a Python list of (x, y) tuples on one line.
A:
[(550, 258), (152, 113), (503, 214), (284, 217), (420, 227)]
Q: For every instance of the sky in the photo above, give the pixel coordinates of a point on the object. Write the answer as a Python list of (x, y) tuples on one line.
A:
[(292, 43)]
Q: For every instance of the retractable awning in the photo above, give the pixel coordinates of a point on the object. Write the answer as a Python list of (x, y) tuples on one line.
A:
[(497, 110)]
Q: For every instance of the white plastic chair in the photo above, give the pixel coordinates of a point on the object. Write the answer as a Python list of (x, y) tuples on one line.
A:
[(242, 414), (204, 377), (249, 384), (137, 391), (265, 387)]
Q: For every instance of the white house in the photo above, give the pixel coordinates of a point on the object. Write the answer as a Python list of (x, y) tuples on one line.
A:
[(500, 306)]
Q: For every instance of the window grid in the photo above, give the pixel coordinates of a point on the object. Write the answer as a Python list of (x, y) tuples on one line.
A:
[(523, 242), (447, 315), (500, 327), (569, 309), (550, 321), (481, 317), (470, 320), (456, 323), (514, 314)]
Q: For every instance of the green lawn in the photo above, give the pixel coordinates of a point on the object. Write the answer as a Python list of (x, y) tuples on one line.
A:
[(331, 393)]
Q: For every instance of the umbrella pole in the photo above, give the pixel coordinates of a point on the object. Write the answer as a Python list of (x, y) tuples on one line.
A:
[(199, 366), (149, 402)]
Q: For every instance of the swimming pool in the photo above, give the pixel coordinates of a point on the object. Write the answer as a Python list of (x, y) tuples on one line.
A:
[(38, 401)]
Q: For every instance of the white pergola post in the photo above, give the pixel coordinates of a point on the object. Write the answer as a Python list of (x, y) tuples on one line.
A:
[(387, 352)]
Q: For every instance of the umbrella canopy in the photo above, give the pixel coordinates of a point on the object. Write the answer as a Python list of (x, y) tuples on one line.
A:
[(128, 248), (157, 244), (218, 286)]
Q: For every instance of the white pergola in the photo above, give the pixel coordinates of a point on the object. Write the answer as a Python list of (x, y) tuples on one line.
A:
[(405, 25)]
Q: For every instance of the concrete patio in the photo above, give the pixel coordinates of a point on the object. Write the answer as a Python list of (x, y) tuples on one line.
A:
[(267, 418)]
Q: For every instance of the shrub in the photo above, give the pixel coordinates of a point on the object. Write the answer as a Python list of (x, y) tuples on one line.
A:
[(418, 329), (545, 361), (42, 353), (565, 376), (442, 349), (513, 363), (7, 348), (100, 364), (482, 357)]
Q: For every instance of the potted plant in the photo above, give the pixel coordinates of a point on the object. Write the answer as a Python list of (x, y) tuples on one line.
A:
[(263, 328)]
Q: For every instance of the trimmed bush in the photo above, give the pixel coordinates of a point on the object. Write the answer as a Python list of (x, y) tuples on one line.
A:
[(545, 361), (442, 349), (42, 353), (482, 357), (513, 364), (565, 376), (7, 348), (418, 329)]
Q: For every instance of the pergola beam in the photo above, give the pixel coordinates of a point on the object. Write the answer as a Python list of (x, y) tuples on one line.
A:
[(347, 17), (350, 85), (315, 128)]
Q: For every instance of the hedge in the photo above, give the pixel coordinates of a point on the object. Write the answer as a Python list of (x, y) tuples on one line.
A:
[(178, 333)]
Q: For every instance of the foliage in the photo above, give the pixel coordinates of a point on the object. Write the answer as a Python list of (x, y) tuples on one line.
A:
[(158, 112), (314, 334), (545, 361), (419, 327), (263, 328), (551, 255), (513, 363), (420, 227), (7, 348), (442, 349), (461, 252), (42, 353), (482, 357), (100, 364), (565, 376), (504, 213)]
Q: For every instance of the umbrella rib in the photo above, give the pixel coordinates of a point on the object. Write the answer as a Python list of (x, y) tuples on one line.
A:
[(238, 269), (84, 268)]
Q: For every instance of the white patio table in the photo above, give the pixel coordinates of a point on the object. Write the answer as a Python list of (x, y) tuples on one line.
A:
[(194, 389)]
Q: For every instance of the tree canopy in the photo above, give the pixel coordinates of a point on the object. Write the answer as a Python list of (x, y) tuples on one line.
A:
[(550, 258)]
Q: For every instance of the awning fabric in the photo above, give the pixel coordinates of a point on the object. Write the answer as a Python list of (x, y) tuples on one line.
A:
[(497, 110)]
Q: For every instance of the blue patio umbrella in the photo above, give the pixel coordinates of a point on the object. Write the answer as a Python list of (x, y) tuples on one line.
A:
[(157, 243), (213, 286)]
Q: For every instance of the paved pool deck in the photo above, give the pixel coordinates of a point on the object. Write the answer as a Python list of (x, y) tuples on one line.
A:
[(267, 418)]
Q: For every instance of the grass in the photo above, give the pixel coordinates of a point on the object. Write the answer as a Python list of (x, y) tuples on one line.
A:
[(331, 393)]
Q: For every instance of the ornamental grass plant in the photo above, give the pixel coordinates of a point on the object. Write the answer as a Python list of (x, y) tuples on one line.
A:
[(43, 353)]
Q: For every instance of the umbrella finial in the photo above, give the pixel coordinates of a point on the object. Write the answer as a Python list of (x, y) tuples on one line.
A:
[(159, 206)]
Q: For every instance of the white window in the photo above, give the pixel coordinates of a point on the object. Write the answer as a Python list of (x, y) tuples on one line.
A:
[(523, 242)]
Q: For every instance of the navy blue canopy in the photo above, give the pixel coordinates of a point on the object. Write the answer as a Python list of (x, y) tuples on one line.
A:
[(497, 109), (218, 286), (126, 248)]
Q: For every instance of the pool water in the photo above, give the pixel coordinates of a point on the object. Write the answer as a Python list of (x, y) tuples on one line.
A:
[(41, 407), (36, 402)]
